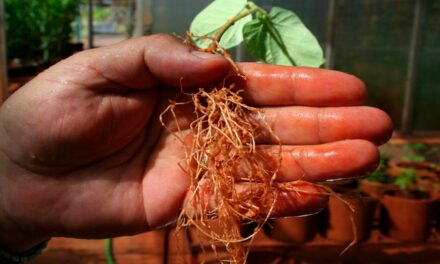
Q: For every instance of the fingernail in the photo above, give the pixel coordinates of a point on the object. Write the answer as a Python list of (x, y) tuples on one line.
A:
[(206, 55)]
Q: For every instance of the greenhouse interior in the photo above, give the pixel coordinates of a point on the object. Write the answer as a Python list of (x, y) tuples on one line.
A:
[(330, 156)]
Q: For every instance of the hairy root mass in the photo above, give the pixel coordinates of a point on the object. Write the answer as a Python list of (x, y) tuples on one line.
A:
[(230, 180), (223, 143)]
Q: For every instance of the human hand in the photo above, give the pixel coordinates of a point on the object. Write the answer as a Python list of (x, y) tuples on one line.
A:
[(83, 154)]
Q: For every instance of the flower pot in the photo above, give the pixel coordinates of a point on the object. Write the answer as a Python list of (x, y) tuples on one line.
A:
[(206, 231), (435, 192), (437, 215), (407, 219), (422, 169), (428, 184), (293, 229), (345, 225), (375, 189)]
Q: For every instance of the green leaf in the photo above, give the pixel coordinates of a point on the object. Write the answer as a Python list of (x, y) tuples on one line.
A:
[(214, 16), (414, 157), (379, 176), (407, 178), (280, 37)]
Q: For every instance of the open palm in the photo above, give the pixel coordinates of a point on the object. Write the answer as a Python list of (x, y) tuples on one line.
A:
[(84, 155)]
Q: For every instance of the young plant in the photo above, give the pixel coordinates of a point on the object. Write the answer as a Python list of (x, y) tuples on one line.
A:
[(405, 180), (381, 173), (275, 37), (224, 132), (419, 152), (407, 184)]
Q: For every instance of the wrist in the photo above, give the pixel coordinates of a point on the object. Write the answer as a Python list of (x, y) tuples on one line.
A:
[(15, 246), (14, 237), (15, 240), (6, 257)]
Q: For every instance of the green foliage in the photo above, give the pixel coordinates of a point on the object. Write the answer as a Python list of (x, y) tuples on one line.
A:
[(406, 179), (213, 17), (277, 37), (37, 30), (281, 38), (384, 155), (414, 157), (380, 174), (418, 151), (414, 146), (384, 159), (101, 13)]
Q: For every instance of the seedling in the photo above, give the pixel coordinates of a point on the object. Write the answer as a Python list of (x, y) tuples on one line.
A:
[(407, 185), (418, 152), (275, 37), (405, 180), (224, 132), (381, 173)]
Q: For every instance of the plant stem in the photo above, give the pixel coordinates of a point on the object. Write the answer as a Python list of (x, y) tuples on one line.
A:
[(109, 251), (248, 10)]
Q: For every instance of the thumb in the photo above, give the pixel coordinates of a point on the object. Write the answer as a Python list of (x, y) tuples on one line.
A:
[(178, 65), (142, 63), (98, 101)]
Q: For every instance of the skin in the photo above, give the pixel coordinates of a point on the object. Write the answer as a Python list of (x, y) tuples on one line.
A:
[(82, 153)]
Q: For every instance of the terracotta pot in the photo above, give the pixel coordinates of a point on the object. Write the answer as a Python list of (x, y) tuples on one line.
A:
[(343, 222), (215, 228), (427, 184), (437, 215), (435, 192), (293, 229), (407, 219), (375, 189), (426, 169)]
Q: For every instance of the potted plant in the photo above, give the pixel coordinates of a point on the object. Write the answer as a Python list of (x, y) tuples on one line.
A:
[(379, 181), (38, 32), (407, 212), (417, 157), (349, 217), (297, 229)]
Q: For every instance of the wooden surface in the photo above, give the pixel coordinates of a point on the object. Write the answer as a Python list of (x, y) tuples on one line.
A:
[(144, 248), (149, 248)]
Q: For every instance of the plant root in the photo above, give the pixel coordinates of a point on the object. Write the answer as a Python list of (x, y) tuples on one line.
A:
[(224, 142)]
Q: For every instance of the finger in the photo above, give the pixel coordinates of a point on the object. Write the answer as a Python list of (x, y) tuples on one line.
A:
[(281, 85), (310, 125), (331, 161), (255, 200), (345, 159), (304, 125), (298, 198), (140, 63)]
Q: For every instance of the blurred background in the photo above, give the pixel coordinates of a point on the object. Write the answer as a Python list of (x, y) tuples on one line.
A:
[(392, 45)]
